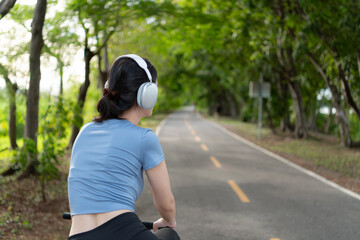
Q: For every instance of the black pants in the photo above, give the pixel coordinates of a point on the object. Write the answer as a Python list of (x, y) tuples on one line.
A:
[(126, 226)]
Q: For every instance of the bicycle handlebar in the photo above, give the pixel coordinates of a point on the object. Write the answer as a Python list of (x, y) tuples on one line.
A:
[(148, 225), (67, 216)]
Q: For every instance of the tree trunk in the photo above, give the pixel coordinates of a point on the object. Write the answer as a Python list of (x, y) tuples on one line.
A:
[(287, 62), (220, 107), (231, 104), (328, 121), (285, 124), (102, 73), (11, 89), (300, 124), (347, 91), (295, 91), (269, 117), (88, 55), (61, 72), (12, 115), (336, 100), (358, 59), (106, 58), (311, 124), (32, 103), (341, 117), (283, 89), (5, 6)]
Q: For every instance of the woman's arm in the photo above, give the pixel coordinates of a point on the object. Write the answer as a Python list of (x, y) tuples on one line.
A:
[(163, 198)]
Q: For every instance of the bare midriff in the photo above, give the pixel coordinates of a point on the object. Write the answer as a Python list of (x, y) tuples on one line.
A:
[(86, 222)]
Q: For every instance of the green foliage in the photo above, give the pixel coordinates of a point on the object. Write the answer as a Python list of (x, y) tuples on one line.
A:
[(21, 156), (52, 130), (206, 53), (22, 13), (354, 127)]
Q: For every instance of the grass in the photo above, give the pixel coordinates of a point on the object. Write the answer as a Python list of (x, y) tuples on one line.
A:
[(152, 122), (320, 153), (331, 156)]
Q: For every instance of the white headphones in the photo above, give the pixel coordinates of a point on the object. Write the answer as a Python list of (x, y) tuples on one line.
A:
[(148, 92)]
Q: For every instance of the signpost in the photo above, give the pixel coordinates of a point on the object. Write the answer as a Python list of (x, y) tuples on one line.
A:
[(259, 90)]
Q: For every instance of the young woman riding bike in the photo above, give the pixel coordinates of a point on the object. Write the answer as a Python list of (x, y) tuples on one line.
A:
[(109, 156)]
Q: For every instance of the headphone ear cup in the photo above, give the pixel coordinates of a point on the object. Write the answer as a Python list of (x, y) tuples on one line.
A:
[(147, 95)]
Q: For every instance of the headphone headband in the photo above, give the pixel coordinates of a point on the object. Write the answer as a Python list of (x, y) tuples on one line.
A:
[(141, 62)]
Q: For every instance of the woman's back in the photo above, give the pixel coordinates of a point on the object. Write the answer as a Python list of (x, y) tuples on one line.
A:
[(106, 166)]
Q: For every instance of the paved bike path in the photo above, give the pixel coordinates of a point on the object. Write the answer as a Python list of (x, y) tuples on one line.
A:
[(283, 203)]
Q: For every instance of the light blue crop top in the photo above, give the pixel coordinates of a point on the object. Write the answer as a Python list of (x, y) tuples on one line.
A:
[(107, 163)]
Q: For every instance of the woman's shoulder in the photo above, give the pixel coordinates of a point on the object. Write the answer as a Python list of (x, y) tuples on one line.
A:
[(85, 126), (118, 126)]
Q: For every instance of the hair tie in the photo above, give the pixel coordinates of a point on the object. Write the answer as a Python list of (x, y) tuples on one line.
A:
[(112, 95)]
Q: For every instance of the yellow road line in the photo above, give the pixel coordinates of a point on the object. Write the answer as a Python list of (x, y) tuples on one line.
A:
[(193, 132), (238, 191), (204, 147), (274, 238), (215, 162), (197, 139)]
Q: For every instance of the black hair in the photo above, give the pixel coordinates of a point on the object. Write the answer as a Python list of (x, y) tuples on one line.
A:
[(124, 79)]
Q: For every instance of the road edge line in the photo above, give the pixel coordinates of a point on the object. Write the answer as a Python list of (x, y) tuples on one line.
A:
[(162, 123), (286, 161)]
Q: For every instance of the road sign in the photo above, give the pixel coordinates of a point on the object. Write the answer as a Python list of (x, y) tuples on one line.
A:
[(259, 90), (254, 89)]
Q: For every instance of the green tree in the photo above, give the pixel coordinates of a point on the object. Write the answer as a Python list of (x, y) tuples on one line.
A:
[(32, 106), (94, 16), (331, 41)]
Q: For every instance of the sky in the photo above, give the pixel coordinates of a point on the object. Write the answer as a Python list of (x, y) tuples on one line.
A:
[(50, 80)]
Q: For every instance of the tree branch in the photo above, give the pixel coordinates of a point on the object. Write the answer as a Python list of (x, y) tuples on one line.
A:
[(318, 67), (358, 59), (5, 6), (5, 73), (104, 43)]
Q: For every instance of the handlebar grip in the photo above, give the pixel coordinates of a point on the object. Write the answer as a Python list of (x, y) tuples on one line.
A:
[(67, 216)]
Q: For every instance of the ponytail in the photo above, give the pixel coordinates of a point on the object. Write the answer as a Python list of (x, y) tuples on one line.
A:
[(111, 105)]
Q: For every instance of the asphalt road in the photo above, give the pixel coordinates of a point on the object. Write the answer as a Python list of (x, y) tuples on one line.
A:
[(226, 189)]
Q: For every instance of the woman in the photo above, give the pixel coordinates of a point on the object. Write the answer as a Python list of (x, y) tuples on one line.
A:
[(109, 156)]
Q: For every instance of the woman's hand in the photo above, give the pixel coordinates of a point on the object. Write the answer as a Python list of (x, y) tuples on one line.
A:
[(161, 223)]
